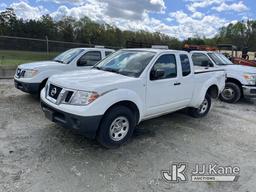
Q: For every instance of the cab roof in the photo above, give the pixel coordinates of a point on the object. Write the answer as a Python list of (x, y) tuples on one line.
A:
[(155, 50), (204, 51), (94, 48)]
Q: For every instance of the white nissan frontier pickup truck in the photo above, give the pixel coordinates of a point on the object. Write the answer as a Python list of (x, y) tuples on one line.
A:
[(130, 86), (31, 77)]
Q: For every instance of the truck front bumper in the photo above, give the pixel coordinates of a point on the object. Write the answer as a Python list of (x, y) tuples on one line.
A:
[(32, 88), (86, 126), (249, 91)]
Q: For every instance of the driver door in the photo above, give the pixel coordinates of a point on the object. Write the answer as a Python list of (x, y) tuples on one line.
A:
[(162, 91), (89, 59)]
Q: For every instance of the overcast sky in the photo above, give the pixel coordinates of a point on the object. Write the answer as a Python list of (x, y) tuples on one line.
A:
[(178, 18)]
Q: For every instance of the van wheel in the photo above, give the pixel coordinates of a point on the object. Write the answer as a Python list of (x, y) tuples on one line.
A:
[(116, 127), (203, 109), (231, 94)]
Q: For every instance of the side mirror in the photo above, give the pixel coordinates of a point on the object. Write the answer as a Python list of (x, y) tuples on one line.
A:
[(206, 64), (81, 62), (157, 74)]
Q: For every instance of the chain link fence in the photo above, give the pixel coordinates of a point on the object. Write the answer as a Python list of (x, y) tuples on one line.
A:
[(40, 45), (17, 50)]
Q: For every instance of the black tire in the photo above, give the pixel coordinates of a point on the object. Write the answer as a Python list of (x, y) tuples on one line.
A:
[(42, 85), (232, 93), (104, 136), (203, 110)]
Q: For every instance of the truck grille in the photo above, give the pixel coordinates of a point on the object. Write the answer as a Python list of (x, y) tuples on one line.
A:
[(54, 91), (58, 95), (68, 96), (20, 73)]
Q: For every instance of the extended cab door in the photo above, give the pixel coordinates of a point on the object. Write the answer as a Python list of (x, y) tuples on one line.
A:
[(163, 85), (89, 59), (186, 80)]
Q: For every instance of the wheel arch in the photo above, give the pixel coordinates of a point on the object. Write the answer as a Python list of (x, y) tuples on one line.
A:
[(129, 104), (233, 80), (213, 91), (42, 84)]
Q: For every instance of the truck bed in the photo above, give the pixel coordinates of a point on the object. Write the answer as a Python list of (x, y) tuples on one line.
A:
[(199, 70)]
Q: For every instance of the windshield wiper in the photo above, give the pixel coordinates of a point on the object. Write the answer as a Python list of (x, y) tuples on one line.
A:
[(59, 61), (111, 70), (99, 68), (225, 64)]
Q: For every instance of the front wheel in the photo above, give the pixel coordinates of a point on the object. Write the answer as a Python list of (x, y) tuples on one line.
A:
[(116, 127), (203, 109), (231, 94)]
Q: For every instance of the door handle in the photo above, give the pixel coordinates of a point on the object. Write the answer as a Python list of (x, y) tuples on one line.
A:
[(177, 83)]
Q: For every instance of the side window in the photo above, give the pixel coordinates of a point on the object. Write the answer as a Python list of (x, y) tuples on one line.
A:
[(89, 59), (164, 68), (185, 65), (107, 53), (200, 59)]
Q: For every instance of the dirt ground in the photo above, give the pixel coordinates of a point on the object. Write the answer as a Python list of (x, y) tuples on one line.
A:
[(39, 156)]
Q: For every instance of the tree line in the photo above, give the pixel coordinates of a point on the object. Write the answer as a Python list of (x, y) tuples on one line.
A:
[(242, 34)]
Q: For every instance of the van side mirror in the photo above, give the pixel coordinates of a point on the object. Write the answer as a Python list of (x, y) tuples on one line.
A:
[(157, 74)]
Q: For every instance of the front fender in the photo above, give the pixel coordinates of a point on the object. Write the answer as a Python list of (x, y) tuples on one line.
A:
[(108, 99), (239, 77), (45, 75)]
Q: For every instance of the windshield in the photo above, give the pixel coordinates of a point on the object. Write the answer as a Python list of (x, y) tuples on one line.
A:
[(224, 58), (68, 56), (126, 62), (220, 59)]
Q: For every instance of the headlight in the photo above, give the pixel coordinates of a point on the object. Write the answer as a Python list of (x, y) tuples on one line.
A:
[(84, 98), (250, 78), (29, 73)]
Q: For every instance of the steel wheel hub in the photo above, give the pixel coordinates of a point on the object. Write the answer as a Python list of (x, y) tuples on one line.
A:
[(228, 93), (119, 128), (204, 106)]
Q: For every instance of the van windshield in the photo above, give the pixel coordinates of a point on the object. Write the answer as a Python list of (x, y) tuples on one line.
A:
[(126, 62)]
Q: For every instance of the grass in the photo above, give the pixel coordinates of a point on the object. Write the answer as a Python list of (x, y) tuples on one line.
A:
[(11, 59)]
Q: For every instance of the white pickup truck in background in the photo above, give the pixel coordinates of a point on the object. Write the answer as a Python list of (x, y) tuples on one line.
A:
[(241, 80), (31, 77), (130, 86)]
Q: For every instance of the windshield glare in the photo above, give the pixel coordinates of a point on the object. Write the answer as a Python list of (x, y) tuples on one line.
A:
[(219, 59), (126, 62), (224, 58), (68, 56)]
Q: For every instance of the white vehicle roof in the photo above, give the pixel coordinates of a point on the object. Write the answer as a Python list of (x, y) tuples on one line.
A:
[(204, 51), (94, 49), (156, 50)]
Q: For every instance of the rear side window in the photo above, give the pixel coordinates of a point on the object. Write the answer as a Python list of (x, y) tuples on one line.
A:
[(185, 65), (202, 60), (167, 63), (107, 53), (90, 58)]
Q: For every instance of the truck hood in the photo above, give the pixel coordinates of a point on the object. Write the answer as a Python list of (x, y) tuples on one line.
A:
[(40, 64), (240, 68), (90, 80)]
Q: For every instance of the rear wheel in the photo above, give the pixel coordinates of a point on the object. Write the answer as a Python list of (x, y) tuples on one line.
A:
[(231, 94), (116, 127), (203, 109)]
